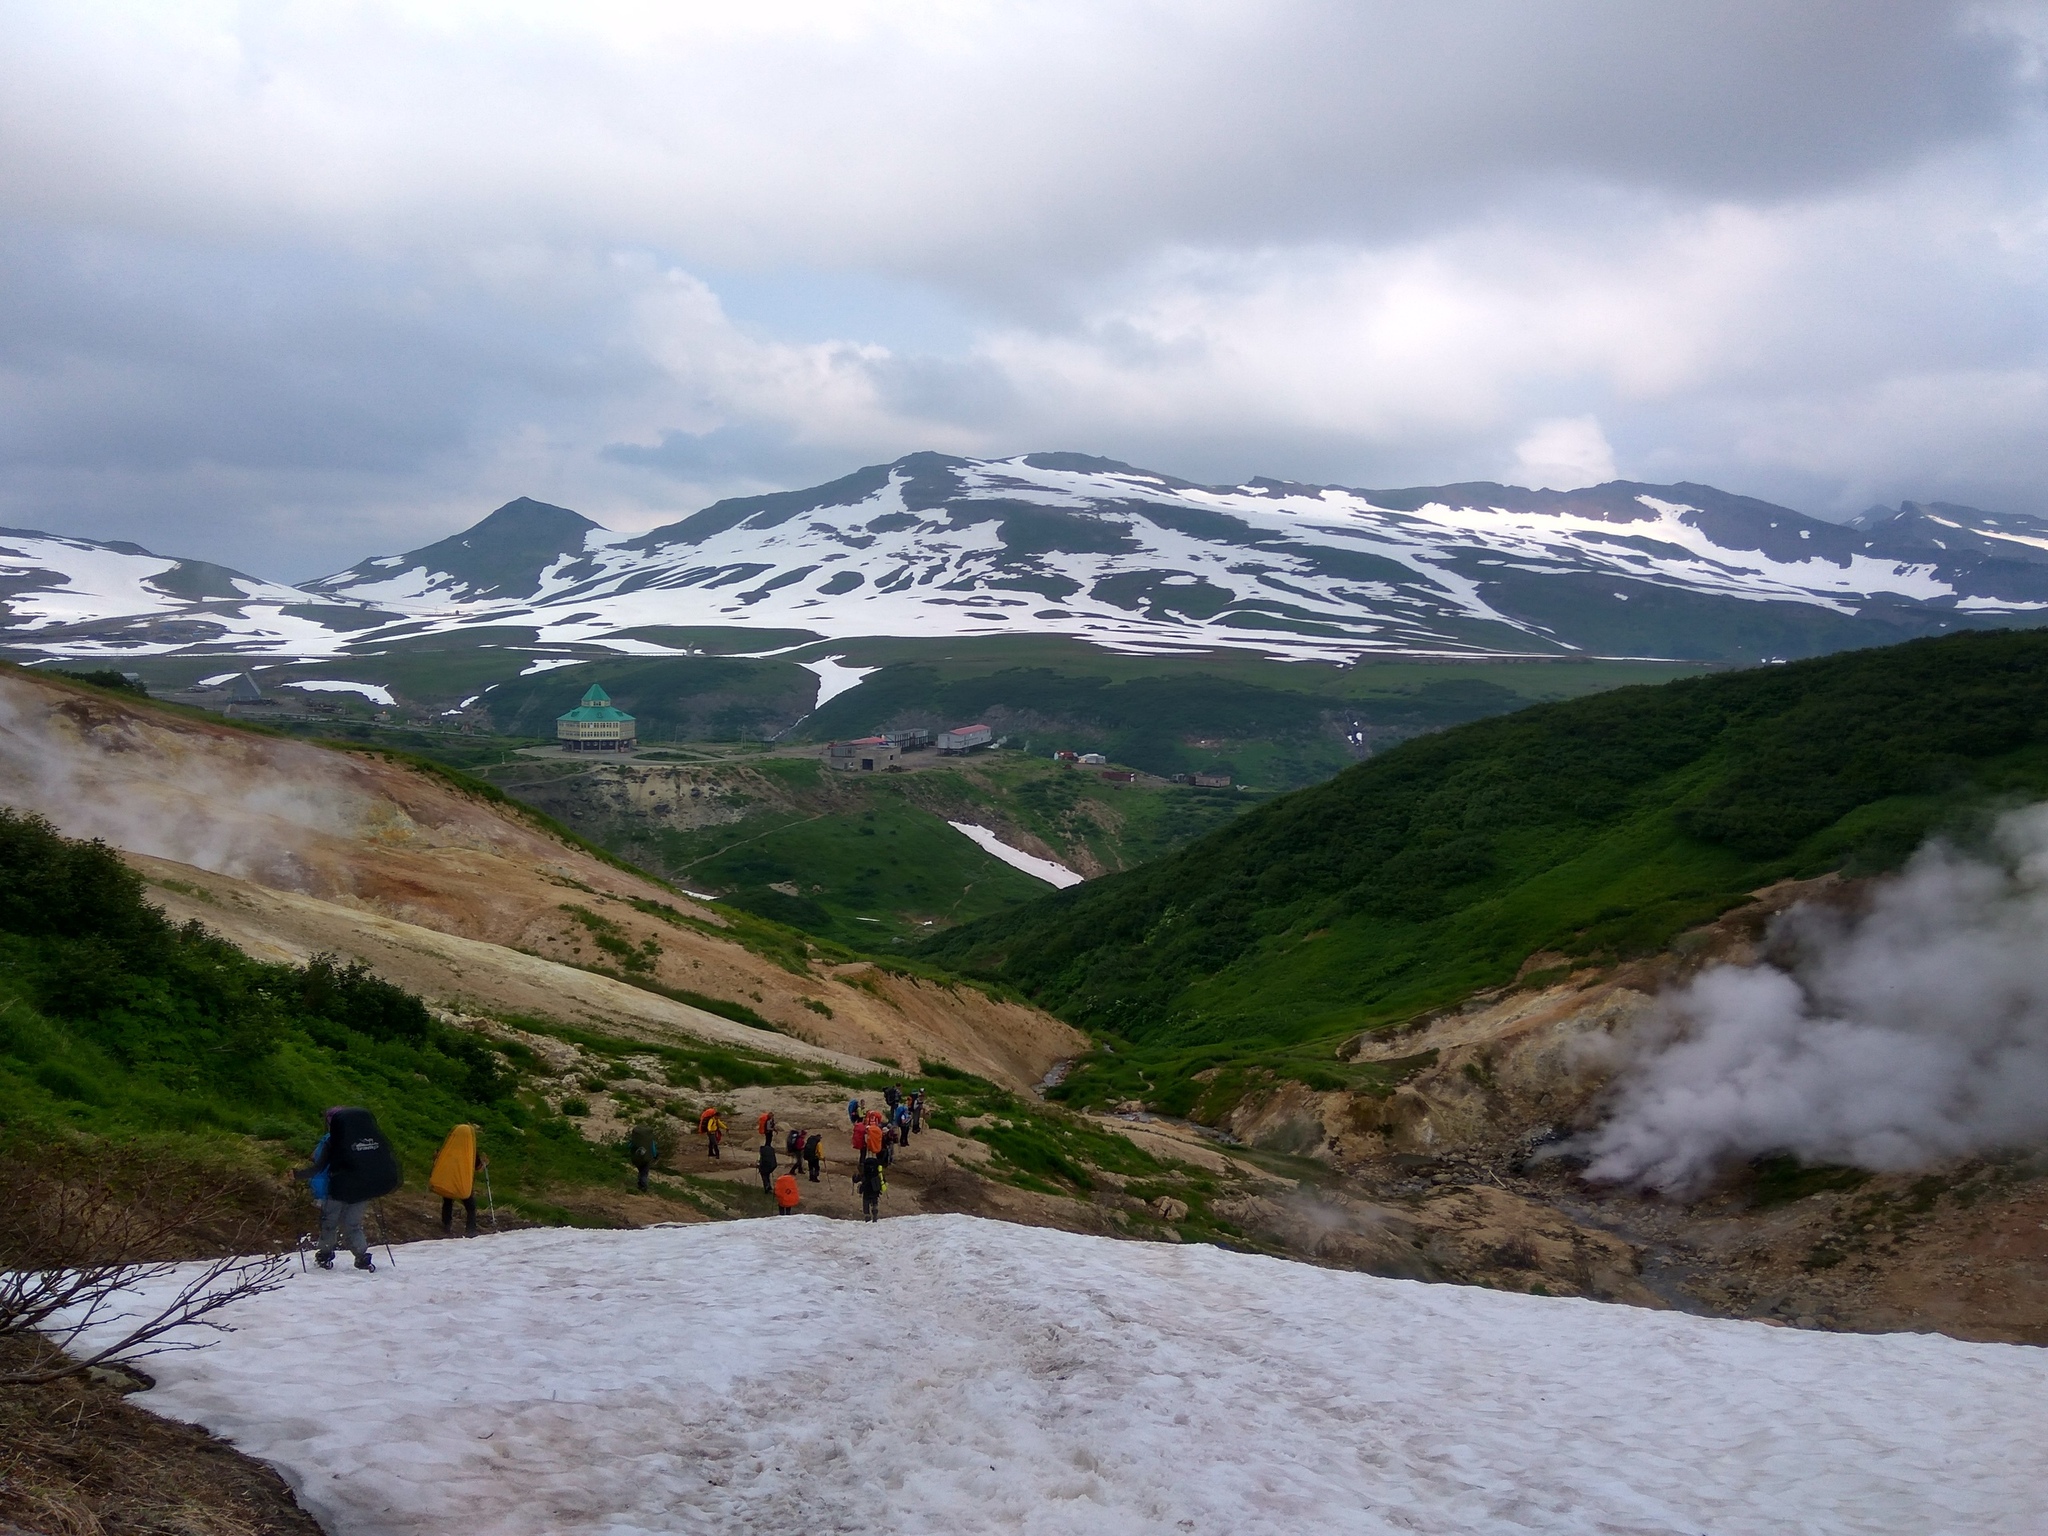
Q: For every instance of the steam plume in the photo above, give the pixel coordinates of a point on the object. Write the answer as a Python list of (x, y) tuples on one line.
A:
[(1913, 1031), (244, 808)]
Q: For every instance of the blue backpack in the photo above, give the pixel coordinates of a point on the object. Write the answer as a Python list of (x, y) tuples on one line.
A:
[(318, 1182)]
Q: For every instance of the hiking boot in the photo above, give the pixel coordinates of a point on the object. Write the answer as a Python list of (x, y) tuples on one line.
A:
[(364, 1261), (324, 1258), (470, 1230)]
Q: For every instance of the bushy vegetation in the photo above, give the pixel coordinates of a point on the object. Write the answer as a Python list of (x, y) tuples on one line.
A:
[(119, 1025), (108, 678), (1598, 827)]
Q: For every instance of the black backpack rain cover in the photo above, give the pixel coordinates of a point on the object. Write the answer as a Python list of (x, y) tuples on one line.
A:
[(360, 1162)]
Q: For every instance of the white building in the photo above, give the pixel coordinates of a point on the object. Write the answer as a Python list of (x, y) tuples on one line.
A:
[(965, 738)]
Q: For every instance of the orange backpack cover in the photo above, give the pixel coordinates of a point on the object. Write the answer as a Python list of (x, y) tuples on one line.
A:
[(786, 1194), (454, 1175)]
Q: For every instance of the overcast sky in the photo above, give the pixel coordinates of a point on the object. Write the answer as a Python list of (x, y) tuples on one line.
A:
[(287, 285)]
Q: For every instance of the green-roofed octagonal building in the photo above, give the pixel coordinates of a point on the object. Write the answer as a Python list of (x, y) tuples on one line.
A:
[(594, 726)]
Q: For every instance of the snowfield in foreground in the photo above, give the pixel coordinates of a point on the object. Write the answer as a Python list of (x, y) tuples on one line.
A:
[(944, 1373)]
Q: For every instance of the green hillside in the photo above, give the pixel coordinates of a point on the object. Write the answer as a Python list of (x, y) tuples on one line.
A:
[(867, 860), (1596, 827)]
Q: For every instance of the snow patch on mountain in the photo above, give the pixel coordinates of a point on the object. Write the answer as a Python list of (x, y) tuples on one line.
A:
[(834, 678), (1044, 869)]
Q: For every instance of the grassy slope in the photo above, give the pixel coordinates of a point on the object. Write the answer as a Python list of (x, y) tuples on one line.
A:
[(1596, 827), (1275, 724), (871, 856), (149, 1045), (1271, 723)]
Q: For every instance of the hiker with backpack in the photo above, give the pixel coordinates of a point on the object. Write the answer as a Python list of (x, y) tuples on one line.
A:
[(786, 1195), (917, 1110), (766, 1163), (871, 1184), (766, 1125), (643, 1142), (711, 1126), (814, 1153), (454, 1178), (357, 1165), (793, 1144), (892, 1096), (888, 1147), (853, 1111), (903, 1123)]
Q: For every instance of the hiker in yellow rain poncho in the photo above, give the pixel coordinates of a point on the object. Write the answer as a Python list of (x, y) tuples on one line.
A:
[(454, 1178)]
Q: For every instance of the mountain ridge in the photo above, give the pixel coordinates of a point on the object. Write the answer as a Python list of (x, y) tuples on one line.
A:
[(1102, 551)]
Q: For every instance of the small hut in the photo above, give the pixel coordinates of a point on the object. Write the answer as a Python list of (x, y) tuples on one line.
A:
[(595, 726)]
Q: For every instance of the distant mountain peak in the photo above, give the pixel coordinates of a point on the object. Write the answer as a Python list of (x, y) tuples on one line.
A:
[(503, 556)]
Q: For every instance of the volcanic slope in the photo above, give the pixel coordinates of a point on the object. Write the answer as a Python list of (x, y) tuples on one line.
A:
[(290, 849), (1585, 830)]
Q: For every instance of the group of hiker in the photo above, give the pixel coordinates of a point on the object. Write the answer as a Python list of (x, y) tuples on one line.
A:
[(354, 1165), (877, 1133)]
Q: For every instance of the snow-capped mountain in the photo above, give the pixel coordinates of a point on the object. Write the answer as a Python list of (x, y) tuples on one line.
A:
[(81, 597), (933, 545)]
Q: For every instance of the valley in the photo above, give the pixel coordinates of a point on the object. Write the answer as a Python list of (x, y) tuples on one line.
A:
[(1408, 1102)]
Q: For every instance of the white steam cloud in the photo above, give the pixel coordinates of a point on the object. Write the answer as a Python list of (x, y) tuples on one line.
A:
[(1912, 1031), (245, 808)]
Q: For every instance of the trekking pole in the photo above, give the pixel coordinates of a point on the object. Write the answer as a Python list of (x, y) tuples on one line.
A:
[(492, 1199), (384, 1232)]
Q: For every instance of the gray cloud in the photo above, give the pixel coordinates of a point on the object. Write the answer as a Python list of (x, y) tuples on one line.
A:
[(286, 288)]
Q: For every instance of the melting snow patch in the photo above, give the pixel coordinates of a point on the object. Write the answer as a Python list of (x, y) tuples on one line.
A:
[(549, 666), (1017, 858), (833, 678), (373, 691), (946, 1373)]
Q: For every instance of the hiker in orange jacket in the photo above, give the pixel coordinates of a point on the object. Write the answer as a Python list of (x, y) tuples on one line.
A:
[(786, 1195)]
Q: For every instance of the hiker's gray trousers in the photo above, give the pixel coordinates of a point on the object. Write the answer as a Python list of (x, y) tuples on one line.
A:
[(346, 1217)]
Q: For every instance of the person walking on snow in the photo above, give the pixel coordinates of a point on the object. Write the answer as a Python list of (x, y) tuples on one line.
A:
[(644, 1142), (786, 1195), (766, 1164), (814, 1153), (454, 1178), (711, 1125), (359, 1166)]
